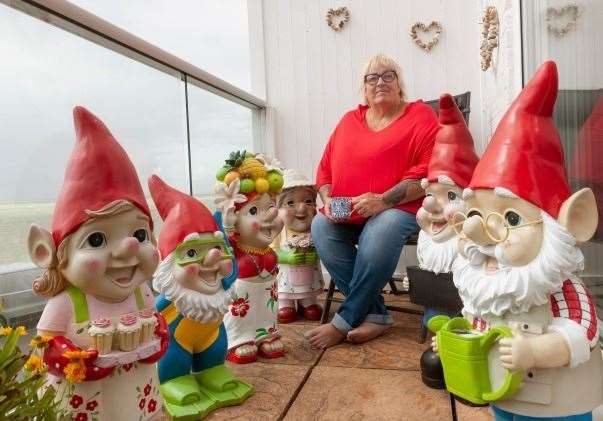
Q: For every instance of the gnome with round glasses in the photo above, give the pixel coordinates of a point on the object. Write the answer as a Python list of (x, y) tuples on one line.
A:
[(518, 262), (449, 171), (197, 263)]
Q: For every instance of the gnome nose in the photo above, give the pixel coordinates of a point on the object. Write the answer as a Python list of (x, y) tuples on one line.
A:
[(271, 214), (431, 205), (300, 208), (126, 249), (212, 257), (475, 231)]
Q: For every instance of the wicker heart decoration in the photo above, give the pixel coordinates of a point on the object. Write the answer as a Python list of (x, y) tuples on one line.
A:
[(554, 16), (337, 18), (433, 26)]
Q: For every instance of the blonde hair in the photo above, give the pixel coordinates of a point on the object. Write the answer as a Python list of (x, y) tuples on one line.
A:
[(385, 61), (52, 281)]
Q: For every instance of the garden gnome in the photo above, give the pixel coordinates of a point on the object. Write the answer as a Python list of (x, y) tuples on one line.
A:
[(196, 257), (246, 192), (300, 277), (449, 171), (518, 262), (103, 335)]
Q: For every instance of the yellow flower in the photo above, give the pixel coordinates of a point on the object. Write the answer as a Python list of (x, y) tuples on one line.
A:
[(76, 355), (5, 331), (75, 372), (40, 341), (34, 364)]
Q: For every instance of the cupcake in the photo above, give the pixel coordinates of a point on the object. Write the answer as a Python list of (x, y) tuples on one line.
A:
[(128, 332), (148, 322), (101, 332)]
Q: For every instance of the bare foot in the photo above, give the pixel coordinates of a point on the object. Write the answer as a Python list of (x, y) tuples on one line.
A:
[(366, 331), (324, 336)]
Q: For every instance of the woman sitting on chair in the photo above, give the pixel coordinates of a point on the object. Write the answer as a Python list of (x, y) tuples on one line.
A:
[(376, 157)]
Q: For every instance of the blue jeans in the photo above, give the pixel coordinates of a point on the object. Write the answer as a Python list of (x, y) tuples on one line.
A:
[(361, 272), (500, 415)]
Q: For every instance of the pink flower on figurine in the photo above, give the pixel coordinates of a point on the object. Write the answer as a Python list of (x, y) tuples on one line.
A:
[(152, 405), (142, 403), (81, 416), (240, 307), (76, 401), (147, 390), (274, 292), (91, 406)]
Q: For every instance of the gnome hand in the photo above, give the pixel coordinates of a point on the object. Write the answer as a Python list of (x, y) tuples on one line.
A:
[(434, 344), (517, 353), (161, 330)]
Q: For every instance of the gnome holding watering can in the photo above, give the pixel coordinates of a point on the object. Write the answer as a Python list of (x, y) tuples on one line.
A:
[(516, 272)]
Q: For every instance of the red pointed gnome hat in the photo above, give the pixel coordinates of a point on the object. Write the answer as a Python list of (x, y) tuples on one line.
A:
[(525, 154), (453, 152), (182, 215), (98, 173)]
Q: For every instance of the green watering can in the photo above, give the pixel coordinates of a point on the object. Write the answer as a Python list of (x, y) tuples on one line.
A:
[(464, 356)]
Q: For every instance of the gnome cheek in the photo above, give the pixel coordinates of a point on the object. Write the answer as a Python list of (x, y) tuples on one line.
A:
[(93, 266), (255, 226), (191, 271)]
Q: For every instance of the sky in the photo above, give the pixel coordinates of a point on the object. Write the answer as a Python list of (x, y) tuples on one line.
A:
[(46, 71)]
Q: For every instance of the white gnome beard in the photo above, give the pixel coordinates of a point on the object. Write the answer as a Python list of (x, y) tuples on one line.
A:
[(192, 304), (516, 289), (436, 257)]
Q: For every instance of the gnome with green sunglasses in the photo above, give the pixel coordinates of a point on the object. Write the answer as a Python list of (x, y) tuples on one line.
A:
[(197, 263)]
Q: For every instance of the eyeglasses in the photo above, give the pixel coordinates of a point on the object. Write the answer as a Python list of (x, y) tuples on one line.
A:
[(387, 77), (194, 251), (493, 224)]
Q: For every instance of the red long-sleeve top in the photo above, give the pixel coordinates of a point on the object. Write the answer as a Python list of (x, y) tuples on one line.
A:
[(358, 160)]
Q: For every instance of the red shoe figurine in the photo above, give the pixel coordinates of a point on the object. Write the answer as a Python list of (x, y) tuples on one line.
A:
[(312, 312), (286, 315), (241, 359)]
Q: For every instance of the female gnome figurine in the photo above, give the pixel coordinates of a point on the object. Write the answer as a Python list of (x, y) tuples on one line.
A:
[(99, 322), (246, 199), (299, 278), (517, 263), (197, 261)]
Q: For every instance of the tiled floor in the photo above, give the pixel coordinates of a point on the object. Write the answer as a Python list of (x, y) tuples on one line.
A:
[(375, 381)]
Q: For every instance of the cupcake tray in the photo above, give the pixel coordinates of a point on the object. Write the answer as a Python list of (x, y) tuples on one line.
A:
[(115, 358)]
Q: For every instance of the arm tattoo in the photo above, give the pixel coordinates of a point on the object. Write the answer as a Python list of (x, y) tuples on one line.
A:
[(324, 191), (404, 191)]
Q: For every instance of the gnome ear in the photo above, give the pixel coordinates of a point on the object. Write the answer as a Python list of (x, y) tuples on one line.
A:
[(579, 216), (41, 247)]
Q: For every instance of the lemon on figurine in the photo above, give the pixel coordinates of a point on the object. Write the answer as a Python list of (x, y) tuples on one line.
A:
[(261, 185), (231, 176), (276, 181), (247, 185), (222, 172)]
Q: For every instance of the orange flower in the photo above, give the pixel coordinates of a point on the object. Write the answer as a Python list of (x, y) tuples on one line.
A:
[(75, 372), (40, 341), (76, 355), (34, 364)]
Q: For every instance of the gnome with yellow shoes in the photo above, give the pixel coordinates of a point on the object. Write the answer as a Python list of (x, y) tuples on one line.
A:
[(516, 274), (197, 261)]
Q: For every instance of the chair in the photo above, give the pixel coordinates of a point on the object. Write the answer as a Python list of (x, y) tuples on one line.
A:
[(463, 101)]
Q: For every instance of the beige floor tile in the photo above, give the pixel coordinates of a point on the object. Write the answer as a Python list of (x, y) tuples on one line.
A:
[(299, 351), (274, 386), (337, 393)]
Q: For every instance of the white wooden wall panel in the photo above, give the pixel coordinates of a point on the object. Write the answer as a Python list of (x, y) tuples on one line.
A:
[(312, 72)]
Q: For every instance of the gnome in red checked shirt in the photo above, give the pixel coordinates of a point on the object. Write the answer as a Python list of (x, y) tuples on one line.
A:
[(518, 259)]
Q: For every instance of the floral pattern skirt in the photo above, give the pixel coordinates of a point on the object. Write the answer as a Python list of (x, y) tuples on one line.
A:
[(131, 392), (252, 315)]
